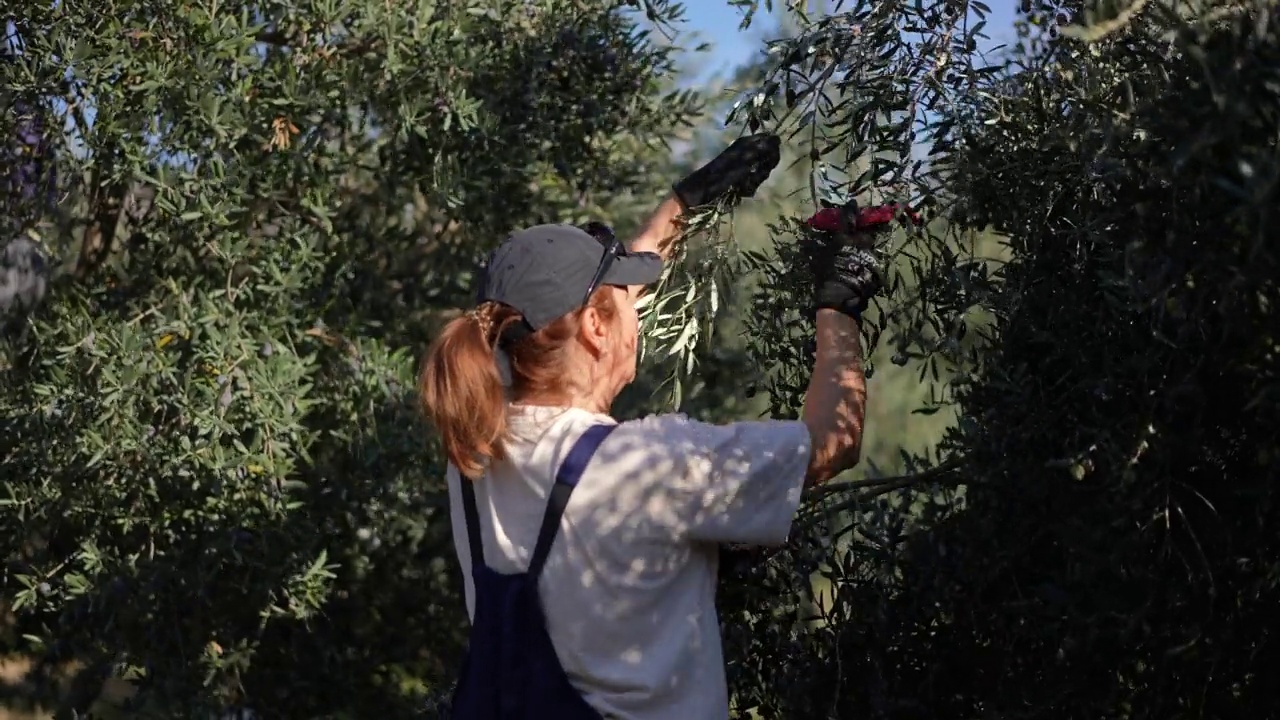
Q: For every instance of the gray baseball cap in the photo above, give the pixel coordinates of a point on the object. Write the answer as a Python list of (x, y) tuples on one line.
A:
[(545, 271)]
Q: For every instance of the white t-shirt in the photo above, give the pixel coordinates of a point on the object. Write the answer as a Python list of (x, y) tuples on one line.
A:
[(629, 586)]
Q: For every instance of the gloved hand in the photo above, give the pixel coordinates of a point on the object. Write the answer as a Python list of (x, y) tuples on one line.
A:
[(846, 273), (736, 173)]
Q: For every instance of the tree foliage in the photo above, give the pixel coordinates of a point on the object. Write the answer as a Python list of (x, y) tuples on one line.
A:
[(214, 481), (1109, 549)]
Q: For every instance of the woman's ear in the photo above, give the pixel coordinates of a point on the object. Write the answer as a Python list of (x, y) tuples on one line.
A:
[(593, 331)]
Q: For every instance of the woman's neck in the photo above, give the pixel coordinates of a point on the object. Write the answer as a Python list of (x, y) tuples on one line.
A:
[(583, 402)]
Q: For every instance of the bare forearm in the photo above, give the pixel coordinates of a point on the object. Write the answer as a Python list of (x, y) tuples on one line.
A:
[(835, 405), (661, 230)]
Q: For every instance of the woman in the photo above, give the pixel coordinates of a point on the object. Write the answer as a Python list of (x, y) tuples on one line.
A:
[(591, 545)]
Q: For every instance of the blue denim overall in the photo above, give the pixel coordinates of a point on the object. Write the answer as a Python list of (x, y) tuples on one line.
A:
[(511, 671)]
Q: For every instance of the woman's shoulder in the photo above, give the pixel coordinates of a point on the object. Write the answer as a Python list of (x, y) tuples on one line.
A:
[(680, 429), (660, 433)]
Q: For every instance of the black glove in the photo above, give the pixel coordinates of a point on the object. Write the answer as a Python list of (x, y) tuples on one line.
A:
[(845, 271), (735, 173)]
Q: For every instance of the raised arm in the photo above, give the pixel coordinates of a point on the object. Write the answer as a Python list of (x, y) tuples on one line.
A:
[(846, 277), (661, 230), (835, 406)]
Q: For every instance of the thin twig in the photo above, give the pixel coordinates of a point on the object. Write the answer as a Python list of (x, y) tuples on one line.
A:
[(835, 487), (858, 499), (874, 489)]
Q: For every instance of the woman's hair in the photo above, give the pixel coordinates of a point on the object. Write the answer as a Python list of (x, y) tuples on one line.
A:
[(462, 391)]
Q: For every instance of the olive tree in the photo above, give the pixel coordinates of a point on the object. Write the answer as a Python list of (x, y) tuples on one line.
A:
[(1095, 534), (214, 484)]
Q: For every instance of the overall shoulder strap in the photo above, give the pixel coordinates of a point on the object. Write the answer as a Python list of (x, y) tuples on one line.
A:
[(472, 515), (566, 480)]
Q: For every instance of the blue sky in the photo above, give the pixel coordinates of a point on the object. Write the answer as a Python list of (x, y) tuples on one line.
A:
[(716, 22)]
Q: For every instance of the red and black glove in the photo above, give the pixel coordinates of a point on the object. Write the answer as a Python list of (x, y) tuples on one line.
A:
[(839, 249)]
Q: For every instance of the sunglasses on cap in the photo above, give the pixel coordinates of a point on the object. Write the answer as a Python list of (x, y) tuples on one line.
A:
[(612, 249)]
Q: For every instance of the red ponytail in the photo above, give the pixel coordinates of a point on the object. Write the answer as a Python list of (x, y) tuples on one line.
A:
[(462, 392)]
